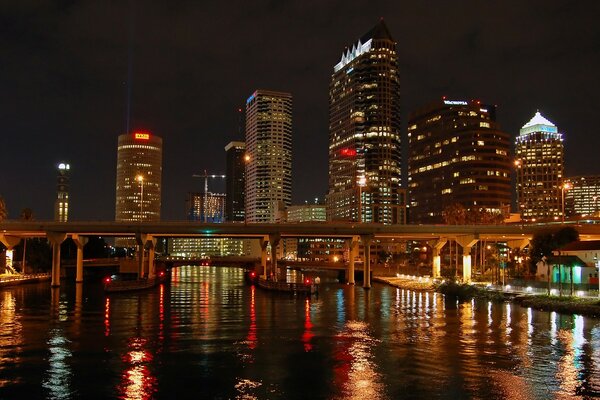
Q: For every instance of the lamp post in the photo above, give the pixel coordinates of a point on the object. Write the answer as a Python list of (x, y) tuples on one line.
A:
[(565, 186), (140, 179), (247, 159), (362, 181)]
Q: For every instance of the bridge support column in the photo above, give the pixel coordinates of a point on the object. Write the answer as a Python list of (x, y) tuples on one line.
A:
[(274, 241), (145, 242), (366, 241), (352, 253), (10, 242), (56, 239), (467, 242), (80, 241), (263, 243), (436, 247)]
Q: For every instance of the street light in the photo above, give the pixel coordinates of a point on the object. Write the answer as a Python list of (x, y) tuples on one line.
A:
[(362, 181), (565, 186), (140, 179)]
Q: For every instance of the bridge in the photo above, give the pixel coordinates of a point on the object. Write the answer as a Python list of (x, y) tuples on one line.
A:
[(146, 234)]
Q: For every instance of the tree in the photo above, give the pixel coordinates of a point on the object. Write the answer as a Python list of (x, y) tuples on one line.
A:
[(455, 214), (3, 212)]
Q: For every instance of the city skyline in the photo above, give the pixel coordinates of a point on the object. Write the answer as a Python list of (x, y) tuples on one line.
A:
[(65, 92)]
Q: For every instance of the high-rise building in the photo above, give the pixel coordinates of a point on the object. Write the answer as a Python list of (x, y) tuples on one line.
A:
[(139, 174), (269, 154), (457, 155), (582, 199), (61, 205), (364, 133), (206, 207), (235, 182), (539, 161)]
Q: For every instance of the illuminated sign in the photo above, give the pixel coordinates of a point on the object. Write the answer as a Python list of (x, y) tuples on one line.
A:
[(455, 103), (141, 136), (346, 152)]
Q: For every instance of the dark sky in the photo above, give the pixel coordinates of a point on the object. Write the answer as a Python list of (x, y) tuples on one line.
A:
[(64, 68)]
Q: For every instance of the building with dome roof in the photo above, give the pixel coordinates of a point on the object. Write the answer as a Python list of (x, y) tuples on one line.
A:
[(539, 162)]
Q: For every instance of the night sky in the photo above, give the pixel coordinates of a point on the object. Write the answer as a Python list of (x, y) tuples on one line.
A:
[(64, 68)]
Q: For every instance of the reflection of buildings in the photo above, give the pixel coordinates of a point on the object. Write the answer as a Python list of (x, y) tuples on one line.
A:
[(269, 150), (582, 198), (457, 155), (235, 182), (539, 159), (61, 205), (364, 133)]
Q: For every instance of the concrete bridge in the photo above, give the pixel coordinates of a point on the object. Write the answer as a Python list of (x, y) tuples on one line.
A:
[(146, 233)]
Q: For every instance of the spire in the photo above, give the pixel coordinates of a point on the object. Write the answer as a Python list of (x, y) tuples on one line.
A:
[(538, 119), (379, 31)]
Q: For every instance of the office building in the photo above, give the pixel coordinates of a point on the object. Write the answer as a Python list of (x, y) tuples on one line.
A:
[(582, 197), (235, 182), (139, 175), (269, 154), (539, 162), (61, 205), (457, 156), (364, 133)]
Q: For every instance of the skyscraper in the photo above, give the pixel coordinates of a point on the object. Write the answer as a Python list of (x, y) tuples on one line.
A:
[(61, 205), (457, 155), (364, 133), (269, 151), (235, 181), (539, 160), (139, 173), (583, 197)]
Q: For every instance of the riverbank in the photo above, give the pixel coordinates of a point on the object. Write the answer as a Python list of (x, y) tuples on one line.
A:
[(19, 279), (589, 307)]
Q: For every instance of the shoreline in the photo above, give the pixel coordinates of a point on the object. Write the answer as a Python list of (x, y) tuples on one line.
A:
[(589, 307)]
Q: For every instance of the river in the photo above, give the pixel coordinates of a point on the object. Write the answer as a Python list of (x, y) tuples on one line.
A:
[(208, 335)]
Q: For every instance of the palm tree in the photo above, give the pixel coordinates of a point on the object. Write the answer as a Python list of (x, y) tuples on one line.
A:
[(3, 213), (26, 215)]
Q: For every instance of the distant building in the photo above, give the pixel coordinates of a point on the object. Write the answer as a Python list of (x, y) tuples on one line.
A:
[(365, 154), (583, 197), (539, 161), (139, 178), (269, 150), (61, 205), (206, 207), (457, 155), (307, 212), (235, 181)]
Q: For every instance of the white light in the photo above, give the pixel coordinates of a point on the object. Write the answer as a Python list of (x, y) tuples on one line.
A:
[(507, 287), (553, 292), (580, 293), (63, 166), (529, 289), (455, 103)]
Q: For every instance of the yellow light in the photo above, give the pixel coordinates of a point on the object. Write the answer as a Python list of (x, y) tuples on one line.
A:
[(139, 178)]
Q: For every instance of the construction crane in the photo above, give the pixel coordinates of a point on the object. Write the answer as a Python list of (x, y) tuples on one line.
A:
[(206, 175)]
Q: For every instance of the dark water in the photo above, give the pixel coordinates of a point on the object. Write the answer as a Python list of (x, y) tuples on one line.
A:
[(209, 336)]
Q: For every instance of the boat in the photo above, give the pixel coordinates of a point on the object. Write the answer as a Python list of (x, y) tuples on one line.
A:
[(113, 285)]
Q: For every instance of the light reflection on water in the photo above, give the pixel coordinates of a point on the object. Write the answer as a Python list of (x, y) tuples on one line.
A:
[(210, 334)]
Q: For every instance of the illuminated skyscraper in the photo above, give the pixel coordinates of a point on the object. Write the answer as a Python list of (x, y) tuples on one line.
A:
[(539, 160), (583, 197), (139, 175), (457, 155), (235, 182), (269, 151), (61, 205), (364, 133)]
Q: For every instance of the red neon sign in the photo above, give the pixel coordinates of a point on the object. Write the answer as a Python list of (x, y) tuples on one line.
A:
[(141, 136), (347, 152)]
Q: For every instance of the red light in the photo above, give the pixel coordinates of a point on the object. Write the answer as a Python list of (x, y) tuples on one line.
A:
[(107, 279), (307, 281), (346, 152), (252, 274), (162, 273)]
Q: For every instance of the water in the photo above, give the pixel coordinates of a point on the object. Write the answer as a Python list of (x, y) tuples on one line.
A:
[(207, 335)]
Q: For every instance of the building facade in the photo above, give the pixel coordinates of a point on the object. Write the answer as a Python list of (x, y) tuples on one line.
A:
[(139, 177), (269, 154), (583, 196), (457, 155), (61, 205), (235, 181), (364, 133), (539, 162)]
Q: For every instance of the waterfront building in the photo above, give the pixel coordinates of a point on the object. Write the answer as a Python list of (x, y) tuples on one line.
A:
[(583, 196), (364, 133), (235, 182), (539, 162), (269, 154), (139, 179), (61, 205), (457, 156)]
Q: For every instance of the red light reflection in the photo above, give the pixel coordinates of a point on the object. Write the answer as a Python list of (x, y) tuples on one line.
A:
[(137, 381), (252, 338), (107, 317), (307, 335)]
